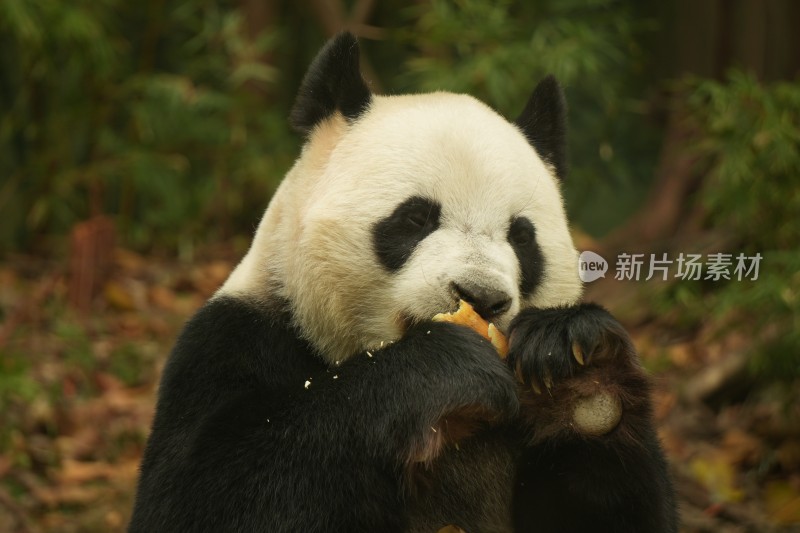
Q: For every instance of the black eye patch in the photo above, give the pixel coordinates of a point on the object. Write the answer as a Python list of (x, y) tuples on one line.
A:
[(395, 237), (522, 237)]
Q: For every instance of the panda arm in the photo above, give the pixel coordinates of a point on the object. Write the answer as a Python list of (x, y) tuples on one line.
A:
[(254, 432), (570, 479)]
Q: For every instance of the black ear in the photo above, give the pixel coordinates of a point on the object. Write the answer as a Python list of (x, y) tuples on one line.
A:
[(333, 83), (544, 123)]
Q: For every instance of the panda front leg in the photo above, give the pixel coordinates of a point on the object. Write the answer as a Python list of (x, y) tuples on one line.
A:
[(373, 423), (592, 460)]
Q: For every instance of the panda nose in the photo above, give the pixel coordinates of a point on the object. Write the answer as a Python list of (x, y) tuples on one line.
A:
[(488, 303)]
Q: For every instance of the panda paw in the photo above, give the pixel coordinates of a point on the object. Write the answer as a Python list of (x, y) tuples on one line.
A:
[(577, 367), (550, 345)]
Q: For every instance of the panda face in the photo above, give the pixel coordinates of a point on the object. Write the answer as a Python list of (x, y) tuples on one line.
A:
[(399, 209), (389, 220)]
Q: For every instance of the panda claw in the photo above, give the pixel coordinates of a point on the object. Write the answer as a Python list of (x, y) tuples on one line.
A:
[(577, 352), (548, 380)]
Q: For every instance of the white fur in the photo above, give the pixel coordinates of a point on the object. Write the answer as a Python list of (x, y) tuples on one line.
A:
[(314, 249)]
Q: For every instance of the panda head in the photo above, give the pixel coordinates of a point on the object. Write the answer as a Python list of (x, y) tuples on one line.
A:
[(399, 206)]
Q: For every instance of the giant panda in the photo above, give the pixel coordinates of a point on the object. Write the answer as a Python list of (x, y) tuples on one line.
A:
[(313, 393)]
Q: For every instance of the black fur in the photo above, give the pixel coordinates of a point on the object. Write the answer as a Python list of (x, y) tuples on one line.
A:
[(544, 123), (395, 237), (584, 485), (254, 433), (471, 487), (333, 83), (569, 482), (522, 237), (239, 443)]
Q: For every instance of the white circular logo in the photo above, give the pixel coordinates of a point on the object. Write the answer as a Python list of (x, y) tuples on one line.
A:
[(591, 266)]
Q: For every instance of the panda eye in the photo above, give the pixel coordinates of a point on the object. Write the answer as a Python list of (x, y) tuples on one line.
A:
[(418, 218), (396, 236), (521, 233)]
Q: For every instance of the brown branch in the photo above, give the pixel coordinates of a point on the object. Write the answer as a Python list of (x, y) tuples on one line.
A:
[(91, 253), (667, 211)]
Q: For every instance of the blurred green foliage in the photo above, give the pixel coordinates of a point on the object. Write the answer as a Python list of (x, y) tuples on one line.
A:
[(750, 134), (141, 110), (747, 134), (171, 118)]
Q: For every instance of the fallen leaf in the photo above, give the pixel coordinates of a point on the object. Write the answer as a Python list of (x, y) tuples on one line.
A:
[(788, 454), (75, 472), (741, 448), (118, 296), (128, 261), (70, 495), (782, 502), (161, 297), (718, 476), (681, 355)]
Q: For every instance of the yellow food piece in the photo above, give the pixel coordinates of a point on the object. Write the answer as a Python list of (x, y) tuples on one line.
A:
[(465, 315)]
